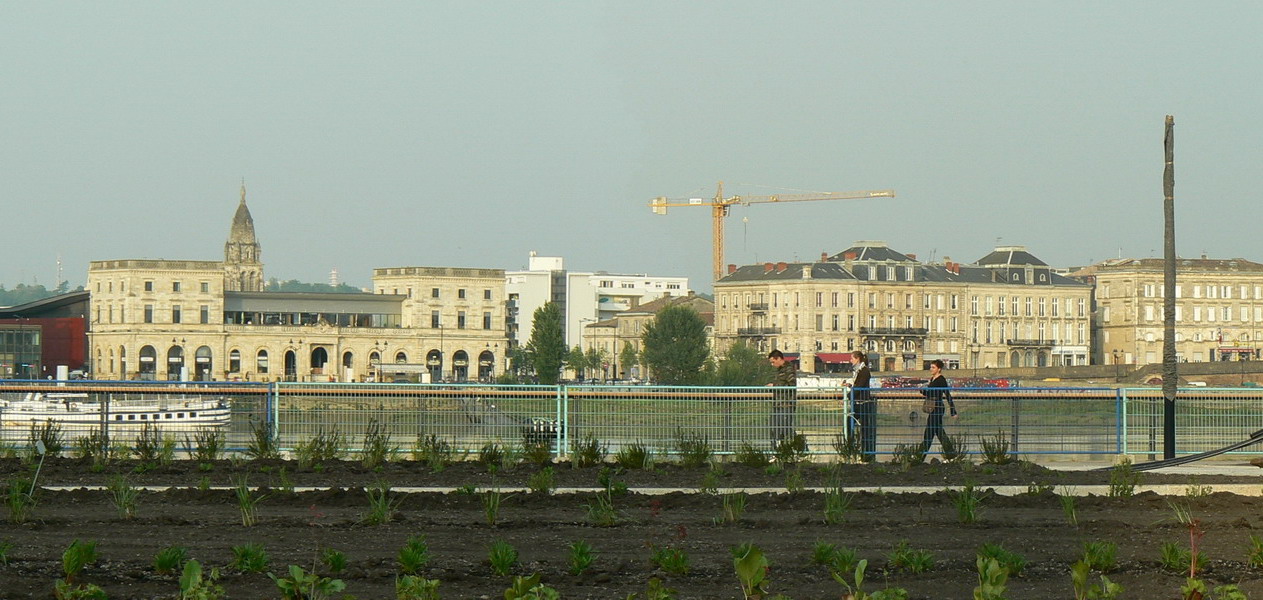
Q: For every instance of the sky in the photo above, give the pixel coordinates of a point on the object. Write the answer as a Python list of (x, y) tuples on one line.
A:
[(385, 134)]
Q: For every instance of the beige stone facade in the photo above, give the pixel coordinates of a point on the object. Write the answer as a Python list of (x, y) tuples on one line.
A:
[(1218, 314), (628, 329), (210, 320), (1008, 309)]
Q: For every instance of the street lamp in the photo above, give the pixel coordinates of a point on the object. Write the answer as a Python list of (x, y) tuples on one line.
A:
[(975, 349), (1117, 371)]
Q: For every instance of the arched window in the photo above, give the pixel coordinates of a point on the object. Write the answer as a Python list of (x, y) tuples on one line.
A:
[(401, 357), (234, 361), (261, 361)]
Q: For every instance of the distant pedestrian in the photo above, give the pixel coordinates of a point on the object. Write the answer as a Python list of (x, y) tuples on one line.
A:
[(936, 392), (865, 406), (783, 398)]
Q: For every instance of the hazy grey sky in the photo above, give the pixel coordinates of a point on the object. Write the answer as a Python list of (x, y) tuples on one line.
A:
[(467, 134)]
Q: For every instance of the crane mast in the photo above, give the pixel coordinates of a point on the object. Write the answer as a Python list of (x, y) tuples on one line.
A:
[(720, 207)]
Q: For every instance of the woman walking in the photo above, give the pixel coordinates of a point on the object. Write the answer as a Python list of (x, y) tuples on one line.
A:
[(936, 392)]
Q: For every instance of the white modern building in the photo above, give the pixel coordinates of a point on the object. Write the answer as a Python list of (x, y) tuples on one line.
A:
[(584, 297)]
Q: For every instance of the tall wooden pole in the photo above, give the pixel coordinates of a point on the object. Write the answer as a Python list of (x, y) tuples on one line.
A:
[(1170, 373)]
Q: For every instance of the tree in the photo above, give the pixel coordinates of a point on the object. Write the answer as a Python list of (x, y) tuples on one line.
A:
[(547, 346), (577, 361), (626, 360), (596, 361), (742, 366), (675, 346)]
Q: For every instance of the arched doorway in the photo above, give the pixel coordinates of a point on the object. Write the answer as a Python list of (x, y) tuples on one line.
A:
[(434, 362), (202, 364), (319, 356), (1015, 359), (486, 365), (148, 363), (460, 366), (291, 366), (175, 363), (348, 366)]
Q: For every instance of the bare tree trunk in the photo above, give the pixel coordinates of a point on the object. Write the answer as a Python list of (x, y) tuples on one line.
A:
[(1170, 375)]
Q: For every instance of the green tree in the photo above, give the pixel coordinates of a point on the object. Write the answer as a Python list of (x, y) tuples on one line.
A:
[(675, 346), (577, 361), (742, 366), (627, 359), (547, 346), (596, 360)]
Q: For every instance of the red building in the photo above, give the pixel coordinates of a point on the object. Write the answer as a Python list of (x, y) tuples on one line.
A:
[(63, 340)]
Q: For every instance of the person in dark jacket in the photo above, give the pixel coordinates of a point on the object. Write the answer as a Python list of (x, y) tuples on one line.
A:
[(783, 399), (937, 391), (865, 406)]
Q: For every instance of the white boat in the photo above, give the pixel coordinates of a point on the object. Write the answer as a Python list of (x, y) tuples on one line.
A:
[(77, 411)]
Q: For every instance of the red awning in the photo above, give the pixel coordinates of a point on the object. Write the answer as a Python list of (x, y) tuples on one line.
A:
[(790, 355), (834, 357)]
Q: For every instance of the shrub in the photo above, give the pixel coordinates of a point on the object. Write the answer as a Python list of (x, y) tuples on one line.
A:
[(635, 456), (537, 453), (377, 449), (848, 447), (791, 450), (262, 444), (412, 587), (694, 449), (249, 558), (956, 449), (502, 556), (381, 505), (491, 457), (123, 496), (326, 445), (206, 445), (836, 504), (995, 450), (1177, 559), (967, 501), (581, 557), (19, 497), (1254, 557), (671, 560), (247, 501), (588, 451), (751, 457), (543, 481), (414, 555), (1099, 555), (1123, 479), (1012, 562), (170, 559), (907, 456), (435, 452), (50, 434), (148, 445), (732, 508), (905, 558), (94, 446)]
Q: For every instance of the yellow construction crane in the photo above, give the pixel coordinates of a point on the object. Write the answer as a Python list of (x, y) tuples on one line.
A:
[(719, 209)]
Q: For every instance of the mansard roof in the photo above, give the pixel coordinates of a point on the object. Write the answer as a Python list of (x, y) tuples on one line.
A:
[(1012, 256), (871, 251)]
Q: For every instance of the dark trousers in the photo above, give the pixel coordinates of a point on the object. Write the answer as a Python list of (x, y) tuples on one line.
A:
[(934, 428), (866, 414), (782, 420)]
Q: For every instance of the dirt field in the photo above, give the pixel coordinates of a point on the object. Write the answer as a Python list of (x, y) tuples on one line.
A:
[(293, 526)]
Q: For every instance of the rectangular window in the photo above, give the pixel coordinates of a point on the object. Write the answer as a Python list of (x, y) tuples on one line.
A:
[(205, 287), (1000, 305), (819, 322), (486, 320), (836, 322), (205, 314), (175, 313), (819, 299), (460, 319), (850, 299), (434, 292), (434, 319), (1105, 314), (835, 299), (175, 286), (486, 294), (1043, 305), (460, 293), (149, 313), (1056, 305), (148, 286), (955, 305)]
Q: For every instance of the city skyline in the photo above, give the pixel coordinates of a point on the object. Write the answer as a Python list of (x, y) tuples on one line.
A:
[(444, 134)]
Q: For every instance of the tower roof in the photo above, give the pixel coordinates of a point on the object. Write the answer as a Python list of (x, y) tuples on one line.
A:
[(242, 231)]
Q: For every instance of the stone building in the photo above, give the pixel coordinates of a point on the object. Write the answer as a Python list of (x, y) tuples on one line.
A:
[(627, 329), (1218, 311), (1007, 309), (212, 320)]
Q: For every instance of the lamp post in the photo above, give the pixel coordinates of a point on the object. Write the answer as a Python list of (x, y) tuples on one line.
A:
[(1117, 371), (975, 351)]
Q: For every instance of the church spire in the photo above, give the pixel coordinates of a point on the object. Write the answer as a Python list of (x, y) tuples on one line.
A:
[(243, 256), (243, 190)]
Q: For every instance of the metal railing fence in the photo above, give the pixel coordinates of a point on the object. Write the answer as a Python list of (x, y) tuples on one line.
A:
[(1035, 421)]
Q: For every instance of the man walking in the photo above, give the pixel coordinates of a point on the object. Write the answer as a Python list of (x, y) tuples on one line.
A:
[(783, 398)]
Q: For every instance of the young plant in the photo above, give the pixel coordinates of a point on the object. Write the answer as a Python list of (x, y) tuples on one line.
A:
[(991, 579), (956, 450), (148, 445), (732, 508), (301, 585), (195, 586), (711, 480), (381, 504), (529, 588), (50, 433), (1123, 479), (856, 591), (588, 451), (905, 558), (5, 547), (1013, 562), (542, 482), (413, 587), (326, 446), (601, 512), (581, 557), (19, 497), (502, 556), (794, 481), (967, 501), (750, 456), (907, 456), (634, 456), (752, 569), (206, 445), (836, 504), (995, 450), (491, 500), (170, 559), (77, 556), (694, 449), (123, 496), (848, 448), (333, 560), (491, 457), (377, 449), (248, 501), (1067, 506), (791, 450), (1099, 555), (537, 453), (414, 555), (94, 447), (1083, 590), (839, 561), (249, 558), (1178, 559), (262, 444), (672, 560), (434, 452), (1254, 557)]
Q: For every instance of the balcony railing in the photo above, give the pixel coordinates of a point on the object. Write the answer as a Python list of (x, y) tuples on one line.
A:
[(894, 331), (758, 306), (1020, 342), (756, 331)]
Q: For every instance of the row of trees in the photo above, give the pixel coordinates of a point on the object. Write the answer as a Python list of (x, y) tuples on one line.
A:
[(22, 293), (675, 350)]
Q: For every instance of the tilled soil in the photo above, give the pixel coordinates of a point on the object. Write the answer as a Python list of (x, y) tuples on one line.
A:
[(294, 526)]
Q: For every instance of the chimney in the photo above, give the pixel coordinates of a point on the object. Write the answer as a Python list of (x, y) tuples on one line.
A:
[(767, 267), (824, 257), (780, 267), (732, 268), (912, 256)]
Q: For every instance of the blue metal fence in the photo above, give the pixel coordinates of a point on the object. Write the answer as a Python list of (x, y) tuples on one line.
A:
[(1035, 421)]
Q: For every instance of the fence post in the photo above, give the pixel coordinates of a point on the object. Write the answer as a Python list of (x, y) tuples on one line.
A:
[(1016, 420), (1120, 417), (272, 413), (563, 420)]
